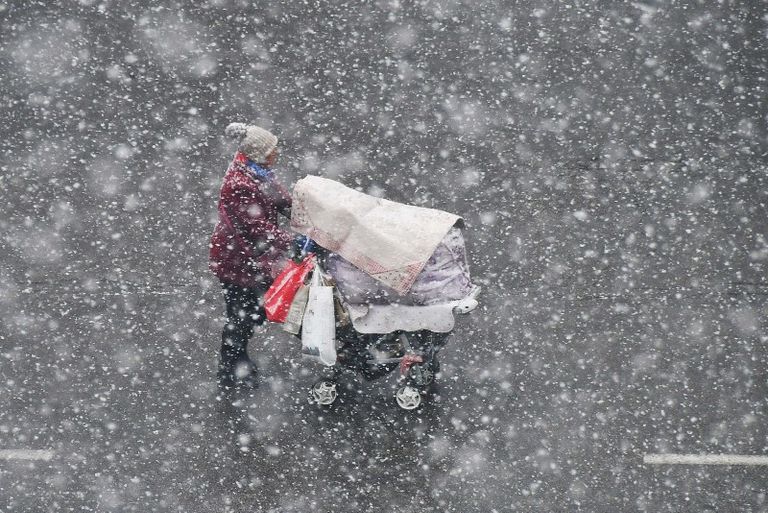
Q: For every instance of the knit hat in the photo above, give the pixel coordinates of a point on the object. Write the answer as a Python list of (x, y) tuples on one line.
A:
[(255, 142)]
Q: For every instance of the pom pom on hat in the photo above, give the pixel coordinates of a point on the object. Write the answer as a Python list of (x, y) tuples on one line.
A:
[(236, 130), (255, 142)]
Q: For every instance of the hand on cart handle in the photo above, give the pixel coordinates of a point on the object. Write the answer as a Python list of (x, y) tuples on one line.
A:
[(303, 245)]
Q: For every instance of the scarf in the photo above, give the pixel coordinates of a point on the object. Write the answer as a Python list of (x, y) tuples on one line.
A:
[(258, 172)]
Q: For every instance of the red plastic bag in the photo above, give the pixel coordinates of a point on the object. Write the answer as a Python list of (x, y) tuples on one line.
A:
[(278, 298)]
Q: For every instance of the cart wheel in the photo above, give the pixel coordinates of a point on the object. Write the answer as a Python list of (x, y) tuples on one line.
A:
[(421, 376), (408, 397), (323, 392)]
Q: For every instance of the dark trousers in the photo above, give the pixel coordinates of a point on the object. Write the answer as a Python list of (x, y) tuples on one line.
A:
[(244, 312)]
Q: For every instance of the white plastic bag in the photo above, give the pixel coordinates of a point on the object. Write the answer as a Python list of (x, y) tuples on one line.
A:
[(318, 331)]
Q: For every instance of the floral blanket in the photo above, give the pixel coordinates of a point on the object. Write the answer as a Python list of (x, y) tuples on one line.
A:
[(388, 241)]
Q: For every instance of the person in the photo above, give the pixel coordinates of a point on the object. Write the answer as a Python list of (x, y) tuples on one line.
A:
[(247, 247)]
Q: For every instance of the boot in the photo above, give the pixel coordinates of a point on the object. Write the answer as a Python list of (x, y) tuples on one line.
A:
[(236, 369)]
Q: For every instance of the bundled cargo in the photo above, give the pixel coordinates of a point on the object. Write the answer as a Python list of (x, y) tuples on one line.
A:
[(445, 277), (399, 274)]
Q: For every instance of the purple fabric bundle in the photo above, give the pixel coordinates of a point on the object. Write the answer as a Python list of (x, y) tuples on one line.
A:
[(444, 278)]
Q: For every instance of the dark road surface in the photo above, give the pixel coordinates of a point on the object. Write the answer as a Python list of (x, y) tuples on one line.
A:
[(545, 404), (611, 163)]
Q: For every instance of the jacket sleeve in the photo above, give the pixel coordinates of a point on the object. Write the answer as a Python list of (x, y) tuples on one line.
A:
[(285, 203), (285, 210), (249, 213)]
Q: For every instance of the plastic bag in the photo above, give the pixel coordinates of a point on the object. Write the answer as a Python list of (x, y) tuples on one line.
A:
[(318, 331), (295, 317), (278, 299)]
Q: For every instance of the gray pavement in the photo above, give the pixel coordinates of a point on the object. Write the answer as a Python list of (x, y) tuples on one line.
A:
[(556, 414), (609, 160)]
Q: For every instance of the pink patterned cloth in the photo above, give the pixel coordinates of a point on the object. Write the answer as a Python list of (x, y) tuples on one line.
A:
[(389, 241), (444, 278)]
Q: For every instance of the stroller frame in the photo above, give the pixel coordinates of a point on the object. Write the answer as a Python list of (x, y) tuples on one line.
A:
[(376, 355)]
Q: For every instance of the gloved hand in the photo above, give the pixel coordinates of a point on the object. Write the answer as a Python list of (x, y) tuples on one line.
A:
[(303, 245)]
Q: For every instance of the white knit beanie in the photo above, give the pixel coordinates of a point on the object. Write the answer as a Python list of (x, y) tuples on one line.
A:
[(255, 142)]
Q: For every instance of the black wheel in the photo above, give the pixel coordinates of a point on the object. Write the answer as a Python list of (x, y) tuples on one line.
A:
[(420, 376), (435, 365)]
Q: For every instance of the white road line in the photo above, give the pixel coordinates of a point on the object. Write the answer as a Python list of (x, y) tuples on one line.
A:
[(704, 459), (26, 454)]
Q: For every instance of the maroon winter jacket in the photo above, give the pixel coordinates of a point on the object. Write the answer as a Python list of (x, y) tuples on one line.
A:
[(247, 247)]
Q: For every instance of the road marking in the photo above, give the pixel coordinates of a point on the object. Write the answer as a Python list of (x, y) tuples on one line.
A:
[(26, 454), (704, 459)]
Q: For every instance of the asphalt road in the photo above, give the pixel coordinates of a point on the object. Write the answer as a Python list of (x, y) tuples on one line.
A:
[(547, 401), (609, 161)]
